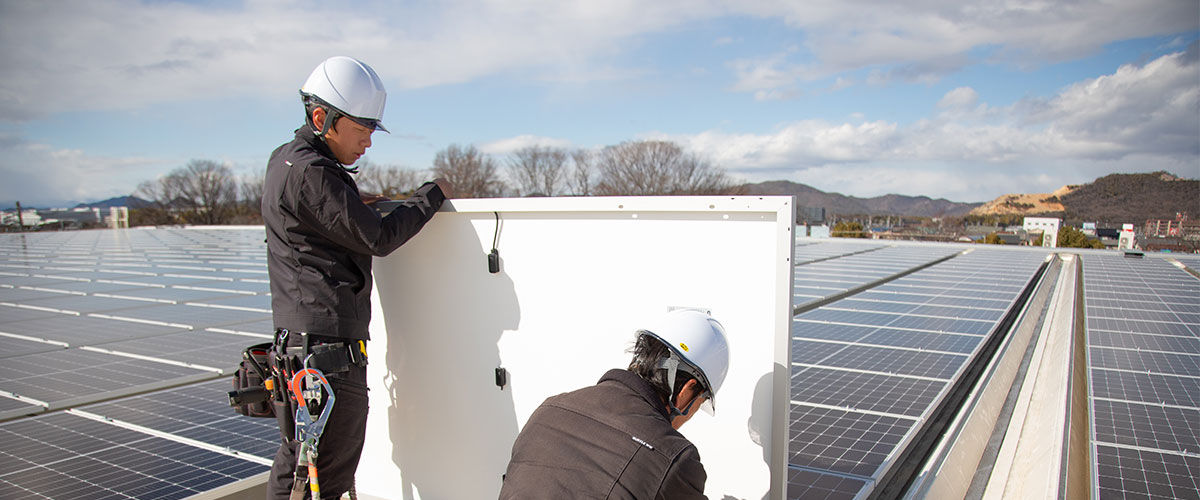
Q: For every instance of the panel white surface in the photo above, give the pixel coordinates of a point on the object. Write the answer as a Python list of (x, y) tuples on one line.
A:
[(578, 277)]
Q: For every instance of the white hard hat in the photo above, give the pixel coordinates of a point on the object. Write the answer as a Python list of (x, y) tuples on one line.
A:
[(350, 86), (700, 341)]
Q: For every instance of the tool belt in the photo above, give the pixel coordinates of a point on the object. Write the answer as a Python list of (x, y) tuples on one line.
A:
[(261, 381)]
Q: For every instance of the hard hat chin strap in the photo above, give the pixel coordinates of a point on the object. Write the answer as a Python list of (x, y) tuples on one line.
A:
[(671, 365), (331, 116)]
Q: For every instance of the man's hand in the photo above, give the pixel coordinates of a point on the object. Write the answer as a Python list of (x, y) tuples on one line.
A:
[(447, 187), (370, 198)]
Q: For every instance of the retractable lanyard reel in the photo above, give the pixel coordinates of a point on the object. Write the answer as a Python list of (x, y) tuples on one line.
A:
[(309, 385)]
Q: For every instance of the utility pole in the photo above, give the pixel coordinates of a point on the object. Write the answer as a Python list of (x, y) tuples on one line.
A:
[(20, 220)]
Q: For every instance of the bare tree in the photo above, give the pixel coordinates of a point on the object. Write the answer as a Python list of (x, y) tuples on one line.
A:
[(656, 168), (161, 194), (392, 181), (472, 173), (201, 192), (208, 189), (538, 170), (251, 189), (579, 182)]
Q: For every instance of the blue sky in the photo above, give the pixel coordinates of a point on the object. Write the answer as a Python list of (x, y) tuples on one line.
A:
[(958, 100)]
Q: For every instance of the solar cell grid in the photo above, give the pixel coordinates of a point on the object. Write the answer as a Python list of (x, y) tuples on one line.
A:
[(9, 404), (810, 352), (817, 486), (84, 330), (843, 442), (1143, 377), (10, 347), (894, 361), (236, 286), (947, 298), (1134, 314), (864, 391), (1129, 340), (1146, 387), (199, 412), (66, 456), (72, 373), (195, 317), (22, 294), (1125, 473), (1144, 361), (1141, 305), (1128, 325), (975, 293), (825, 331), (10, 313), (930, 324), (207, 349), (964, 344), (83, 304), (1147, 425)]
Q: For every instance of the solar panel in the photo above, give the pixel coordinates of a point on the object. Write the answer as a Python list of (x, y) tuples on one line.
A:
[(188, 316), (86, 330), (60, 456), (1135, 473), (11, 347), (70, 374), (199, 412), (816, 278), (843, 442), (1144, 368), (211, 350), (865, 391), (869, 369)]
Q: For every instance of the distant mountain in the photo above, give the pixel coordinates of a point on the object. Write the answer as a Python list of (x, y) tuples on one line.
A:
[(120, 201), (1133, 198), (1112, 199), (834, 203)]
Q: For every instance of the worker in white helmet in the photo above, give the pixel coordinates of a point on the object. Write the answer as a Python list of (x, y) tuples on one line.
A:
[(321, 237), (620, 438)]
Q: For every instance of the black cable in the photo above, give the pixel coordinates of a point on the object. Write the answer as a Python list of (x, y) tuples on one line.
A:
[(494, 256)]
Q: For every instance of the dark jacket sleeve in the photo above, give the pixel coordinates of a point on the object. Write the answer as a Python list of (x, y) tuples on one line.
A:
[(331, 205), (685, 478)]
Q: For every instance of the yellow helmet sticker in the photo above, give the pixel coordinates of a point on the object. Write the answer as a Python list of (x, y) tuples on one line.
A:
[(684, 346)]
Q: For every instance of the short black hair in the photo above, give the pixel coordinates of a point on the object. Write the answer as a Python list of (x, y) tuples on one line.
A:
[(648, 352)]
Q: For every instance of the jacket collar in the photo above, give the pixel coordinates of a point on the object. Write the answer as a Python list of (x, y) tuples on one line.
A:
[(640, 386), (306, 134)]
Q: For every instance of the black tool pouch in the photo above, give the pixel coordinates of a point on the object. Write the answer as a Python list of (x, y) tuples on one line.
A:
[(250, 395), (282, 367)]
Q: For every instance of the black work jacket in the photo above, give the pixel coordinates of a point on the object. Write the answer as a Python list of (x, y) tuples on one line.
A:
[(612, 440), (321, 238)]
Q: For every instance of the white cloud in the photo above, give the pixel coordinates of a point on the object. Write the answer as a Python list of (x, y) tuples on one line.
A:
[(961, 97), (40, 176), (924, 41), (507, 146), (725, 40), (1140, 118), (108, 54)]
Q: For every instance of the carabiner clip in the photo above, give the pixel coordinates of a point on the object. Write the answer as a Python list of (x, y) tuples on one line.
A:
[(306, 427)]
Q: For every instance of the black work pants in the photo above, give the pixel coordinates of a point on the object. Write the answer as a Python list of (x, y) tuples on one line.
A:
[(341, 443)]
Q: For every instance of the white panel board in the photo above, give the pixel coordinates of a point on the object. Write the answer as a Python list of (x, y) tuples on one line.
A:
[(578, 277)]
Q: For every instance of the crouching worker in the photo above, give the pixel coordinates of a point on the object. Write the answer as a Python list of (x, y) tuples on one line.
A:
[(620, 438)]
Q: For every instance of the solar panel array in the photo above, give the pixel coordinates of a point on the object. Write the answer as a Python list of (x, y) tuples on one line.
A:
[(869, 369), (115, 350), (1143, 338), (821, 274)]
